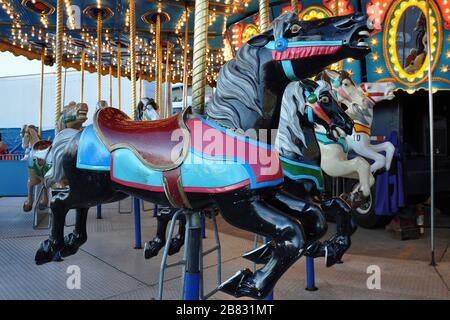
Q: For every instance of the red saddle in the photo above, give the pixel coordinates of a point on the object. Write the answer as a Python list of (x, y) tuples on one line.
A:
[(151, 141)]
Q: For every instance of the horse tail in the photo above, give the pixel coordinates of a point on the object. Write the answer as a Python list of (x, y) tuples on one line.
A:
[(55, 158)]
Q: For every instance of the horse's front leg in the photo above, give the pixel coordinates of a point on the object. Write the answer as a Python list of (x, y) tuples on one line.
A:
[(334, 248), (74, 240), (32, 181), (50, 249), (388, 148), (335, 164), (361, 145)]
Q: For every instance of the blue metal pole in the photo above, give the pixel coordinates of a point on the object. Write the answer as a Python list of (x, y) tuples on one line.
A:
[(137, 223), (155, 210), (192, 270), (99, 211), (310, 276)]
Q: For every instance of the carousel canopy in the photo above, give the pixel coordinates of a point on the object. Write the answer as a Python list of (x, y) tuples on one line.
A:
[(28, 26)]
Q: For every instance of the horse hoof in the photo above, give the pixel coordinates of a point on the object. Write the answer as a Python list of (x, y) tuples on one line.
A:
[(242, 284), (151, 248), (48, 251), (260, 255), (27, 207), (335, 249), (72, 242), (175, 245)]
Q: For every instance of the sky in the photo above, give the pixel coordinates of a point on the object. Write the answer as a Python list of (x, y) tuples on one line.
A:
[(10, 65)]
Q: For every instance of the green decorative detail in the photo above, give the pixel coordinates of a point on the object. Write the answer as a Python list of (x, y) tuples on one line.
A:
[(67, 119), (322, 138), (312, 98), (298, 170), (40, 171)]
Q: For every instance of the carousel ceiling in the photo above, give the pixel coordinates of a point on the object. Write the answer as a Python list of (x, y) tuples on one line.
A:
[(28, 26)]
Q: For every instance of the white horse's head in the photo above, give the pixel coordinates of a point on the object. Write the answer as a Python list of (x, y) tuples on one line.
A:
[(359, 100), (346, 90), (378, 91)]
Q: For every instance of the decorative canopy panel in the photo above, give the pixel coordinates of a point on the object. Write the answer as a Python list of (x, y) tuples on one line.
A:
[(399, 47), (28, 26)]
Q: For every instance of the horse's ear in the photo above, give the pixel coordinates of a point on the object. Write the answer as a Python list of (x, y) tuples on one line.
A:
[(260, 40), (331, 74)]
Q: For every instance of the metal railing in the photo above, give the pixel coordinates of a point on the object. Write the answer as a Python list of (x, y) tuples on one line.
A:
[(12, 156)]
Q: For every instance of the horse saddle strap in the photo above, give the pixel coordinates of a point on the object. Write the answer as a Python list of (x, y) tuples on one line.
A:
[(173, 189)]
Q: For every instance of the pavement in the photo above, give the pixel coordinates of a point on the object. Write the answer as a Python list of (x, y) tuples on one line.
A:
[(110, 267)]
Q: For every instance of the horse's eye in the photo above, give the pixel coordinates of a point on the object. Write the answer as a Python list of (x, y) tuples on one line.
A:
[(325, 100), (295, 28)]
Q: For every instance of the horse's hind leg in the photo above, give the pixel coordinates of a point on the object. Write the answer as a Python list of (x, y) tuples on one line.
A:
[(152, 248), (334, 248), (49, 249), (178, 241), (74, 240), (286, 233), (307, 212)]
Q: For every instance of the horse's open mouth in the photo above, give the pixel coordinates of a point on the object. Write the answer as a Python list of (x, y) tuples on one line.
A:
[(305, 52), (358, 39), (82, 114)]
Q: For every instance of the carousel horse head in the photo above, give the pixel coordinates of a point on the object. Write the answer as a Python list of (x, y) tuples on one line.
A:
[(308, 46), (30, 135), (326, 109), (250, 87), (314, 103), (101, 104), (359, 100), (144, 105), (73, 116)]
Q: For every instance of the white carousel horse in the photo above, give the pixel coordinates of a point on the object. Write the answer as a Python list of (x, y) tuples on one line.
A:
[(362, 114), (360, 102)]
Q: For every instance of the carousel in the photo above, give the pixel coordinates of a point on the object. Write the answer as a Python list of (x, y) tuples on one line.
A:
[(293, 88)]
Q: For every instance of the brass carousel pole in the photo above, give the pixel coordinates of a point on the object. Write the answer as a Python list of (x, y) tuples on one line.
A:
[(58, 54), (110, 86), (294, 5), (99, 57), (41, 102), (193, 221), (140, 81), (119, 67), (158, 91), (200, 51), (133, 56), (264, 19), (83, 58), (136, 201), (185, 59), (168, 71)]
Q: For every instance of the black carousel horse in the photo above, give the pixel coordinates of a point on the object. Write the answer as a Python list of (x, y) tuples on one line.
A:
[(302, 192), (128, 162), (250, 87)]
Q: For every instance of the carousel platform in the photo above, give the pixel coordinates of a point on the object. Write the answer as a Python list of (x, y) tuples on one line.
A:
[(112, 269)]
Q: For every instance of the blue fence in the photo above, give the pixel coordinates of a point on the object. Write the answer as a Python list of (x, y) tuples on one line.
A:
[(14, 175), (11, 136)]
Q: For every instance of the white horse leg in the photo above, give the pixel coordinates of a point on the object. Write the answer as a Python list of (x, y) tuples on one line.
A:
[(335, 164), (387, 147), (360, 143)]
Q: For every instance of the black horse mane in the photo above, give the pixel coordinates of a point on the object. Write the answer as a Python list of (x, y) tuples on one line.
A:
[(237, 87)]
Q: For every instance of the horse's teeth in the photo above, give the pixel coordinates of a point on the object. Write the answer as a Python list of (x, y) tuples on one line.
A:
[(362, 44), (364, 33)]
